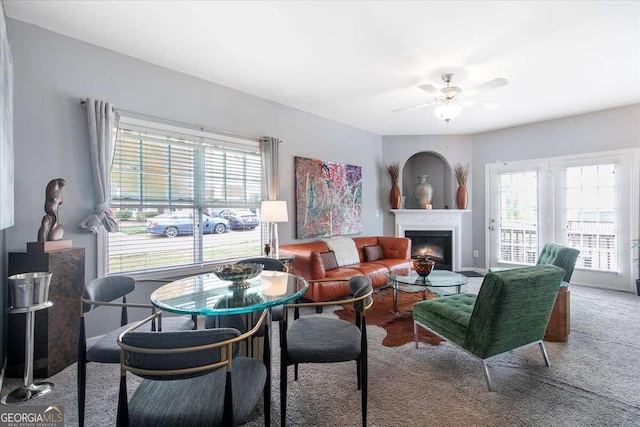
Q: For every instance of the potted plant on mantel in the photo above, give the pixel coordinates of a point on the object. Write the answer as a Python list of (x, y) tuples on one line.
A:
[(393, 170), (462, 173)]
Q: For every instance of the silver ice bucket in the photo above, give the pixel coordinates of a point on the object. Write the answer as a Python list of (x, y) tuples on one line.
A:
[(28, 289)]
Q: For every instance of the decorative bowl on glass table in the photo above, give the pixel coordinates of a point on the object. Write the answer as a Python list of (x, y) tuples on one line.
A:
[(238, 274), (423, 266)]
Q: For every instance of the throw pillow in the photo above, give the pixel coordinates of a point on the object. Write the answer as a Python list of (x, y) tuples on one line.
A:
[(345, 250), (328, 260), (373, 253)]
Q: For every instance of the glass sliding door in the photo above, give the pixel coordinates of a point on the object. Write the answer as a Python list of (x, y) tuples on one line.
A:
[(589, 202)]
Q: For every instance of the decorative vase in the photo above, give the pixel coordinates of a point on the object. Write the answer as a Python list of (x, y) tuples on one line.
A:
[(423, 192), (462, 197), (394, 197)]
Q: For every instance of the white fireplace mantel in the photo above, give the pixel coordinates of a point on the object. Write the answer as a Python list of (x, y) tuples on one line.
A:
[(433, 219)]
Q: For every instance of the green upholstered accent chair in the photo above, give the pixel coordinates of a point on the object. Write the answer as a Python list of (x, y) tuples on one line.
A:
[(104, 291), (565, 258), (319, 339), (553, 254), (511, 311), (191, 378)]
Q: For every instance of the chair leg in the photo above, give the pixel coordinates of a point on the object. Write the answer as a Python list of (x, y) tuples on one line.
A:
[(122, 417), (266, 357), (359, 373), (487, 376), (283, 391), (82, 386), (82, 372), (227, 412), (544, 354), (415, 333), (365, 384), (283, 396), (295, 372)]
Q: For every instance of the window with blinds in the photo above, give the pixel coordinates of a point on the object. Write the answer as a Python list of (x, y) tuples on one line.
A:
[(590, 215), (518, 226), (182, 198)]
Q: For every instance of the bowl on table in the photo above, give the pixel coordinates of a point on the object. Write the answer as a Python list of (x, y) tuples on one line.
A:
[(238, 274), (423, 266)]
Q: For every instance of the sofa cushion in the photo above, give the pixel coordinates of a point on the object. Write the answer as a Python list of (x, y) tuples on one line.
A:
[(373, 253), (329, 260), (345, 250)]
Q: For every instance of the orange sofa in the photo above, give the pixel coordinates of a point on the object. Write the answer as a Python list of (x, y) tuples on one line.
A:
[(395, 257)]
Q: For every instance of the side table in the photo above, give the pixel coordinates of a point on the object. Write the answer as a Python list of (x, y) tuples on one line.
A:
[(29, 390)]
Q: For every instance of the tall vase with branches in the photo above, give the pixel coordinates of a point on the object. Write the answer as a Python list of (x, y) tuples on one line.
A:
[(393, 170), (462, 173)]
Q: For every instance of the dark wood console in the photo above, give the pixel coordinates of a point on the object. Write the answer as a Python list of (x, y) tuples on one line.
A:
[(56, 328)]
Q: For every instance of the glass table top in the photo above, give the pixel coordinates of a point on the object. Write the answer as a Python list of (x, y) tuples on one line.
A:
[(208, 295), (436, 279)]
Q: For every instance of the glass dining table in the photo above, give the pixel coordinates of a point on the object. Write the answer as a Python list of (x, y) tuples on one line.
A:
[(207, 295)]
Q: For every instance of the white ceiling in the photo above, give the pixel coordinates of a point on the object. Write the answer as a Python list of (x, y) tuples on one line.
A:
[(355, 61)]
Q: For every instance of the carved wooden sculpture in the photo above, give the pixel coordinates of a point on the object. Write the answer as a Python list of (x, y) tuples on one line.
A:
[(51, 229)]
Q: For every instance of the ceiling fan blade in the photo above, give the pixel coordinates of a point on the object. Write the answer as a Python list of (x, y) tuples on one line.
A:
[(415, 107), (491, 84), (484, 104), (430, 89)]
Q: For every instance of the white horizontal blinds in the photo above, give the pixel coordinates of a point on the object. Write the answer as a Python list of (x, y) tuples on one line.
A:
[(150, 170), (590, 215), (233, 178), (518, 220), (164, 182)]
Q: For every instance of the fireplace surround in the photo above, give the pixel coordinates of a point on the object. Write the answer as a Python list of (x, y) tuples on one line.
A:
[(435, 220)]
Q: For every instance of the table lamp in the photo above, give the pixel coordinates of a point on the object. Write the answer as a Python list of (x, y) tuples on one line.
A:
[(273, 212)]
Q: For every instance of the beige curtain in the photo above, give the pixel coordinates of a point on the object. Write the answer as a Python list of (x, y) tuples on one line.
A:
[(102, 119)]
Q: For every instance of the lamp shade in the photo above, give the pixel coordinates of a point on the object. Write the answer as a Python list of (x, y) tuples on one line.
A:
[(274, 211)]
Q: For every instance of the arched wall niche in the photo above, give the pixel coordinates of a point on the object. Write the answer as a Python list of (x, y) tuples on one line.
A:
[(440, 177)]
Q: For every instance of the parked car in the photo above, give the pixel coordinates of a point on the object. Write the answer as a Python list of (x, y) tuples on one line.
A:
[(176, 223), (239, 219)]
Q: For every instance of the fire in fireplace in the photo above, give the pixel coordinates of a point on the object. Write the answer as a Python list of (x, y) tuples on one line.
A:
[(434, 244)]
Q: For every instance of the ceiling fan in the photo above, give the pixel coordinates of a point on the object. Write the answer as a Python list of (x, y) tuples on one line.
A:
[(450, 99)]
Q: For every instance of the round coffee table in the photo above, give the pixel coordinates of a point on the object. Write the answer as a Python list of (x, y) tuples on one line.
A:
[(440, 282)]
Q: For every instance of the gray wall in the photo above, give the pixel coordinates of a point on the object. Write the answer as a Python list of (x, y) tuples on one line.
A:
[(52, 74), (606, 130)]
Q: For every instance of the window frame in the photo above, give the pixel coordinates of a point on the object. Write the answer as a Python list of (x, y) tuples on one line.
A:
[(189, 132), (551, 170)]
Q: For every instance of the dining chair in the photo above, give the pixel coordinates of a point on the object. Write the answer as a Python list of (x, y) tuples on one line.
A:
[(103, 292), (190, 378), (320, 339)]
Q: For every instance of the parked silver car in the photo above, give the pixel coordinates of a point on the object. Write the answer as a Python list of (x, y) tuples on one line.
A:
[(176, 223), (239, 219)]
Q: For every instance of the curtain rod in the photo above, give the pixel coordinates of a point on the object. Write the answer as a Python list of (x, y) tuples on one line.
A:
[(187, 125)]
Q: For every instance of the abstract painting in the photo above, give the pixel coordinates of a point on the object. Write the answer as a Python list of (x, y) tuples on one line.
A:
[(6, 127), (328, 198)]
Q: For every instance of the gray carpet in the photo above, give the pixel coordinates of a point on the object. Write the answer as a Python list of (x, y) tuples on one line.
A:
[(594, 380)]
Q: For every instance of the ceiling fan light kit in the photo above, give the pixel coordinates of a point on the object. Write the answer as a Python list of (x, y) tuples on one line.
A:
[(450, 99), (448, 111)]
